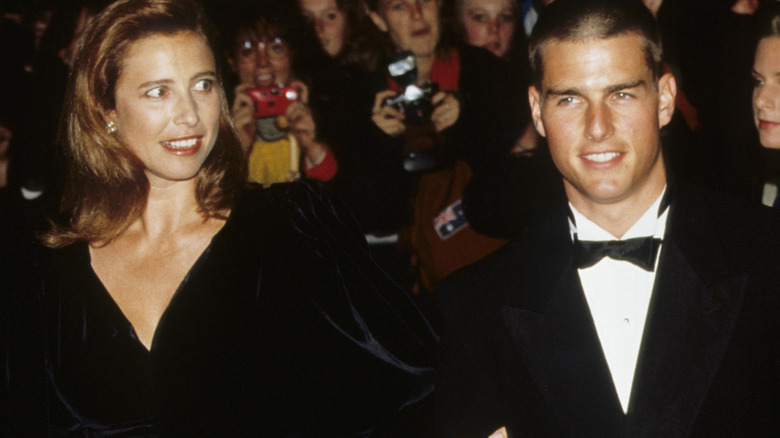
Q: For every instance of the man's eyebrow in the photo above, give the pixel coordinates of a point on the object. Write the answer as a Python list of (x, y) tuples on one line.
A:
[(562, 92), (626, 86)]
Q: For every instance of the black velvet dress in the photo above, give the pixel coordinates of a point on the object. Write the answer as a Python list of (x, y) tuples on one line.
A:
[(284, 327)]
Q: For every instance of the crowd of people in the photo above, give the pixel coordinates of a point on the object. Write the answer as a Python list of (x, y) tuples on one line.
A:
[(398, 175), (258, 217)]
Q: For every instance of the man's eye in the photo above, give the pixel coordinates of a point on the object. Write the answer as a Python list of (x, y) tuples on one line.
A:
[(757, 82), (157, 92), (479, 17), (623, 95), (565, 101)]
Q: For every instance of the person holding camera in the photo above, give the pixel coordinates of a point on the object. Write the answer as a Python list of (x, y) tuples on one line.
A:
[(441, 112), (171, 297), (276, 126)]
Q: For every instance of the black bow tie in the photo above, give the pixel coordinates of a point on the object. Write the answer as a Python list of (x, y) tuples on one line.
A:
[(641, 251)]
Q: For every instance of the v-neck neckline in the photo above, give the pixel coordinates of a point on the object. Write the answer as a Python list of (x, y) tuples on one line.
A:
[(119, 315)]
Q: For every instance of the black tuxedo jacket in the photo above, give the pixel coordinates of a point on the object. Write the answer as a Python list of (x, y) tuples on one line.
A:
[(519, 348)]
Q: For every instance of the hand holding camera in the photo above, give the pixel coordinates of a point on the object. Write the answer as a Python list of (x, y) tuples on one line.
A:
[(273, 101), (415, 105)]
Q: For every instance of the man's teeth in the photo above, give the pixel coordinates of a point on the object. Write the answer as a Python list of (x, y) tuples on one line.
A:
[(181, 144), (603, 157)]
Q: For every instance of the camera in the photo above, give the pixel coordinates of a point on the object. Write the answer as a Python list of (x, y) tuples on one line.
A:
[(272, 101), (415, 101)]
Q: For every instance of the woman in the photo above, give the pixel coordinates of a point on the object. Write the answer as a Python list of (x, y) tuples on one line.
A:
[(170, 299), (324, 123), (489, 24), (473, 112), (342, 30), (271, 109), (766, 92), (766, 98), (329, 20)]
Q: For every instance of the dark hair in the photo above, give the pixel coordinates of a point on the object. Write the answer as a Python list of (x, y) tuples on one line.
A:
[(358, 37), (107, 188), (579, 20), (518, 44), (768, 20), (449, 37), (275, 19)]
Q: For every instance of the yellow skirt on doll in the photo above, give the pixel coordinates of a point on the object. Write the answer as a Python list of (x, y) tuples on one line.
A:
[(274, 161)]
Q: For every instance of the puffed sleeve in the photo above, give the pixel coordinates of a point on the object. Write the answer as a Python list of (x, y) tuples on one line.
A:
[(379, 351)]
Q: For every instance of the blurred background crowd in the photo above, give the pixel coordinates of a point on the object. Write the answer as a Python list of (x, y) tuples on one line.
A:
[(432, 159)]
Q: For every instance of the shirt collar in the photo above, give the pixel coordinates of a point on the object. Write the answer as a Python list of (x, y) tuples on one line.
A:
[(650, 224)]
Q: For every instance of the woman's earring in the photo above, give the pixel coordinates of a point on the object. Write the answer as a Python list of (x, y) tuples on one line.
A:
[(111, 127)]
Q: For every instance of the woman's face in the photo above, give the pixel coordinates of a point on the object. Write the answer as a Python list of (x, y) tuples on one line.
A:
[(766, 93), (168, 105), (412, 24), (261, 61), (489, 24), (329, 22)]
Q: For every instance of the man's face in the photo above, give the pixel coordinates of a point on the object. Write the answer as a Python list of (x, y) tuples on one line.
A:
[(601, 113)]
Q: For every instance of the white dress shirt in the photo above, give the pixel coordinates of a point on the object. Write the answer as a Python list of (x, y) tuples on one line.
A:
[(618, 294)]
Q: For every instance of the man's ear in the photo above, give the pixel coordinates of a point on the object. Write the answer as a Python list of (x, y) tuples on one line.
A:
[(534, 98), (379, 22), (667, 92)]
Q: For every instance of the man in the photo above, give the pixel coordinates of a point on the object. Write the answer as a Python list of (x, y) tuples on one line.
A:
[(544, 338)]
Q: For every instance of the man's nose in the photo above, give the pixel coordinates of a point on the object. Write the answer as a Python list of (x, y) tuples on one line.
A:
[(598, 123)]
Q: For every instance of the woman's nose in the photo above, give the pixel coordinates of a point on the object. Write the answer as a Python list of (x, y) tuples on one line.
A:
[(187, 111)]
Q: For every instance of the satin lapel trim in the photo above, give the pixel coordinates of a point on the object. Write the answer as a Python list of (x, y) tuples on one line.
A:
[(562, 353), (688, 330)]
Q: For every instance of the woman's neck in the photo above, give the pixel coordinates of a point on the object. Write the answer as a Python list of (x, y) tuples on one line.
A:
[(170, 209), (424, 68)]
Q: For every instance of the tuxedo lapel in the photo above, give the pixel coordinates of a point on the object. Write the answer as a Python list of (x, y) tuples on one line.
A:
[(558, 344), (696, 301)]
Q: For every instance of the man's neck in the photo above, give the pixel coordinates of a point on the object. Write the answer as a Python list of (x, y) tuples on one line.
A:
[(618, 217)]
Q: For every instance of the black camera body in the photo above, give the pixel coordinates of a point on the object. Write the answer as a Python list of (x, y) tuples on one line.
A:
[(415, 101)]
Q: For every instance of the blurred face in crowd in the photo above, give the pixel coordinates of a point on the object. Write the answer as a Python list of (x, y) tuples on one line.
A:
[(601, 111), (261, 60), (66, 54), (489, 24), (766, 93), (329, 22), (412, 24), (168, 105)]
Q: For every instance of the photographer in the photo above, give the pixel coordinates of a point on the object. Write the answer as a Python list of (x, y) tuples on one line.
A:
[(431, 158), (277, 129)]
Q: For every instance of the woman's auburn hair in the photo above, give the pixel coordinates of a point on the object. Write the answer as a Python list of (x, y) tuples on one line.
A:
[(106, 188)]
